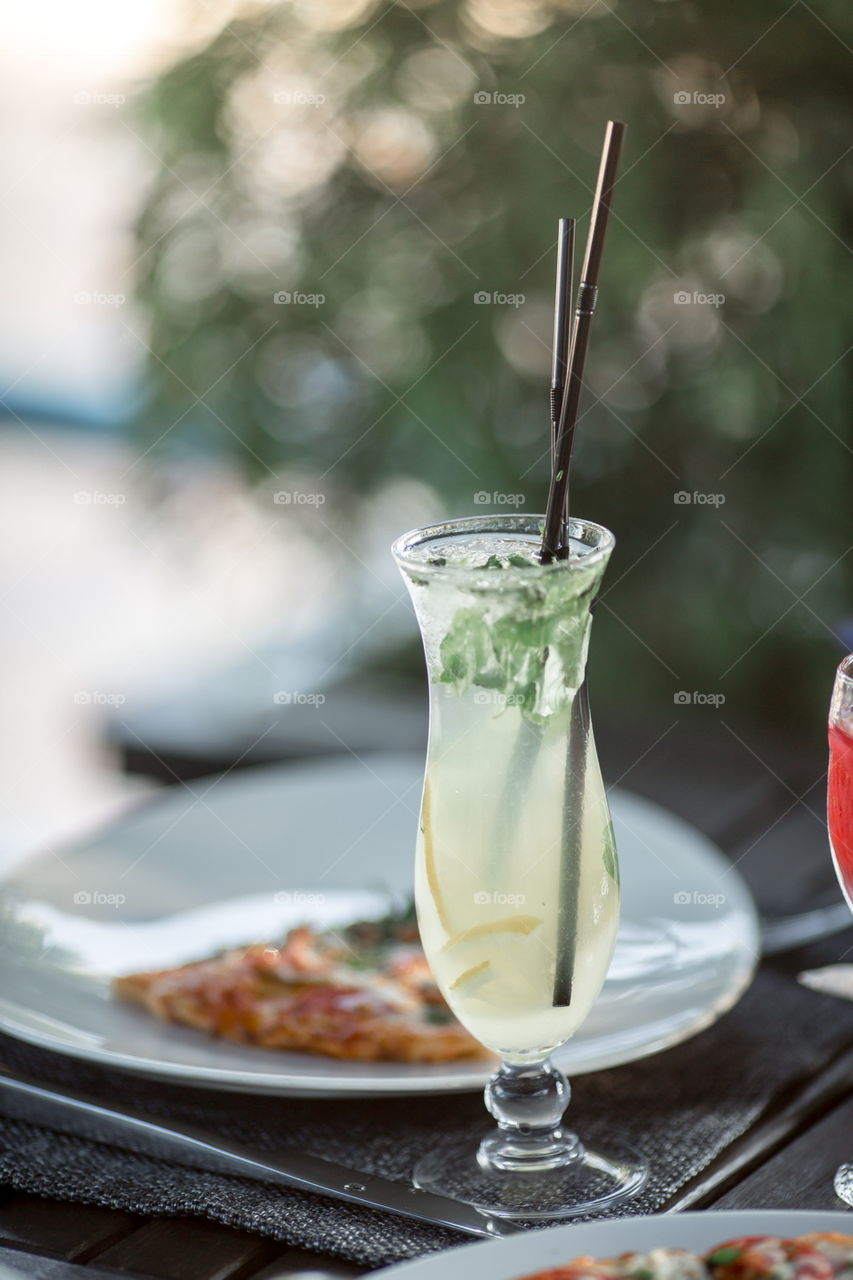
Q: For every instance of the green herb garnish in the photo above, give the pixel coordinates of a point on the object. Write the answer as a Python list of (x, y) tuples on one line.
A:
[(369, 940), (610, 864), (723, 1257), (530, 645), (438, 1015)]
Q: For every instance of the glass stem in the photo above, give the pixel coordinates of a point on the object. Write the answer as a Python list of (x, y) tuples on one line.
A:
[(528, 1101)]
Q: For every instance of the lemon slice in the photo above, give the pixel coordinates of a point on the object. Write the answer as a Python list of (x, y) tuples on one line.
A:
[(469, 979), (429, 859), (509, 924)]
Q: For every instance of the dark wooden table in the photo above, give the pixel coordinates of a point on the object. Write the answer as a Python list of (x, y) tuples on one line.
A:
[(763, 803)]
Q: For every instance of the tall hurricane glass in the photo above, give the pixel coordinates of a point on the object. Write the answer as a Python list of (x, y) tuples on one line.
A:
[(516, 883)]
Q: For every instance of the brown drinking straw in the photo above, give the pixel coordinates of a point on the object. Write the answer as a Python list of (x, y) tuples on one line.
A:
[(556, 514), (555, 543)]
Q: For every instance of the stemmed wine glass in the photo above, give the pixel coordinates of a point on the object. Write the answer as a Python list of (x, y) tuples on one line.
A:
[(839, 811)]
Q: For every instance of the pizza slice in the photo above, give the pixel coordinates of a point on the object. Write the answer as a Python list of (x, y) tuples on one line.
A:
[(819, 1256), (766, 1257), (364, 993)]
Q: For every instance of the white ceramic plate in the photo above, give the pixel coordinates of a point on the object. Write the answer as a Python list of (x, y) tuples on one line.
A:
[(530, 1251), (237, 859)]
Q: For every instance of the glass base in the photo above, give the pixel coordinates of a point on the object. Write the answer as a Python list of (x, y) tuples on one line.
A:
[(844, 1183), (585, 1179)]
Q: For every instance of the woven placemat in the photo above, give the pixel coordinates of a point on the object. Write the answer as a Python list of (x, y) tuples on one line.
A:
[(681, 1108)]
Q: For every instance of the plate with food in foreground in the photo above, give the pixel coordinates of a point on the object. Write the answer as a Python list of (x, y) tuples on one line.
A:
[(253, 933), (750, 1244)]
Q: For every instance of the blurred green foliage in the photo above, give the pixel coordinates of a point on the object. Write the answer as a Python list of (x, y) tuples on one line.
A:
[(378, 155)]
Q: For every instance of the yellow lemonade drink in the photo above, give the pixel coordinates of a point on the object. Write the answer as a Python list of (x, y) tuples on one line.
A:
[(516, 873)]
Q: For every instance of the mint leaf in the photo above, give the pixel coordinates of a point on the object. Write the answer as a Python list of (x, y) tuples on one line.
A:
[(610, 864), (465, 650), (527, 642)]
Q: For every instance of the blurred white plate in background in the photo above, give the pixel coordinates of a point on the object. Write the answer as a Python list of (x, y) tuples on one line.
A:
[(532, 1251), (238, 859)]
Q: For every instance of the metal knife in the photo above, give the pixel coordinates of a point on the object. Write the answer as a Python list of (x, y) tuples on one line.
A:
[(71, 1112)]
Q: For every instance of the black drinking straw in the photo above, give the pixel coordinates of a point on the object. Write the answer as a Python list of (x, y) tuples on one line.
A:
[(556, 515), (556, 543), (574, 786), (569, 860)]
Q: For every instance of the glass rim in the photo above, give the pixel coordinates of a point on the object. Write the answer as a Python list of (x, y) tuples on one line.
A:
[(845, 669), (495, 523)]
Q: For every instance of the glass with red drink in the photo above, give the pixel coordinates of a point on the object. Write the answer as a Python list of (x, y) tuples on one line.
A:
[(839, 813), (840, 785)]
